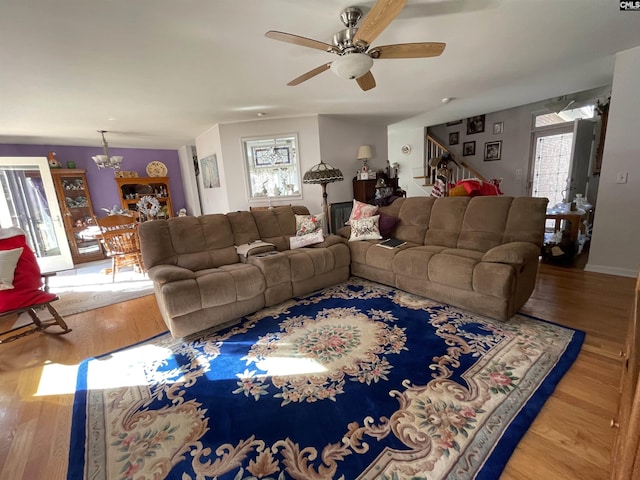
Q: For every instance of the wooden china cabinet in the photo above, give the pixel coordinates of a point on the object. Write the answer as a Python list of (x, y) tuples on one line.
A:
[(74, 198), (131, 190)]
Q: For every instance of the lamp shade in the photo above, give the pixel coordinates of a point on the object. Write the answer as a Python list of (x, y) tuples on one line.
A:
[(364, 152), (352, 65), (322, 173)]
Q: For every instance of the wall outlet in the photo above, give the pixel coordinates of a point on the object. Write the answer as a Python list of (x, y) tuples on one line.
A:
[(622, 177), (518, 173)]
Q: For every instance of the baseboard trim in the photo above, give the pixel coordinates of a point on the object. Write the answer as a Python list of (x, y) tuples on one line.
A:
[(621, 272)]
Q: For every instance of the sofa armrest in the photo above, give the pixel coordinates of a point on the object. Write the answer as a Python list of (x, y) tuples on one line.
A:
[(169, 273), (345, 231), (513, 253)]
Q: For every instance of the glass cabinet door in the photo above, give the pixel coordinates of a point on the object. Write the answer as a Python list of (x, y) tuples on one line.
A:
[(79, 219)]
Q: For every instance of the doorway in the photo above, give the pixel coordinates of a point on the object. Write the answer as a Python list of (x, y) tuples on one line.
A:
[(551, 164), (29, 202)]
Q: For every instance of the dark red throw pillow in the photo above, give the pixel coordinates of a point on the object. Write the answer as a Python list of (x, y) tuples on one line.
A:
[(387, 225)]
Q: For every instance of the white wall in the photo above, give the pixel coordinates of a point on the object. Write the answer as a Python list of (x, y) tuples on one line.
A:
[(189, 180), (213, 200), (225, 141), (339, 142), (616, 230), (332, 139)]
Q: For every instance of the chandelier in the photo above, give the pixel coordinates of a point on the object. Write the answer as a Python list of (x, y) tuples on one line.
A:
[(106, 161)]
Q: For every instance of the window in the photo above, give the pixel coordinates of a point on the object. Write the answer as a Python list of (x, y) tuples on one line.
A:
[(272, 167), (546, 119)]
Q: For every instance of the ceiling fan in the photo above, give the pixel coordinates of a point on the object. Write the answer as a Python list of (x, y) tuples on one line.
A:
[(352, 45)]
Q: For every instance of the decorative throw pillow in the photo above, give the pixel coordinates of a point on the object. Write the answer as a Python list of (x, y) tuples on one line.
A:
[(361, 210), (306, 224), (365, 229), (305, 240), (8, 261), (387, 225)]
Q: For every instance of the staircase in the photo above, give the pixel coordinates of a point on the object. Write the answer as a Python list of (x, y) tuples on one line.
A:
[(461, 170)]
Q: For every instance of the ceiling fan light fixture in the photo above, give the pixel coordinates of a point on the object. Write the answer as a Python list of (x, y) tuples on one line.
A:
[(352, 65)]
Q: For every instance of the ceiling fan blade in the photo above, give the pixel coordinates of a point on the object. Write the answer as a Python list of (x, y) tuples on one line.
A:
[(310, 74), (408, 50), (366, 81), (297, 40), (378, 18)]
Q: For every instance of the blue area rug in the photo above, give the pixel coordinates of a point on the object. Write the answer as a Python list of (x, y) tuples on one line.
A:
[(360, 381)]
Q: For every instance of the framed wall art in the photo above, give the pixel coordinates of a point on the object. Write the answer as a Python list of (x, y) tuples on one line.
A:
[(498, 128), (454, 138), (492, 151), (475, 124), (468, 148), (209, 169)]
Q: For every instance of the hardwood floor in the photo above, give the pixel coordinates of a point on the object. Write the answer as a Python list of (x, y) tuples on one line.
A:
[(570, 439)]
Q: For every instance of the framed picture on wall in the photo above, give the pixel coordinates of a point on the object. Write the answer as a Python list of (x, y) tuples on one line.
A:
[(454, 138), (492, 151), (468, 148), (498, 128), (475, 124)]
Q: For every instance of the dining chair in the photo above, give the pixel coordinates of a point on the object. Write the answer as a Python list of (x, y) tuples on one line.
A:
[(121, 242)]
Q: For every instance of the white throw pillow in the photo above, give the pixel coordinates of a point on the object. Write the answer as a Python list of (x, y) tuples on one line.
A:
[(361, 210), (305, 240), (365, 229), (8, 261), (306, 224)]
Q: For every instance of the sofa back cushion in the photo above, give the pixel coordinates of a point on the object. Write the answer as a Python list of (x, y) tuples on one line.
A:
[(484, 223), (445, 224), (526, 220), (244, 227), (196, 243), (471, 223), (277, 224), (413, 217)]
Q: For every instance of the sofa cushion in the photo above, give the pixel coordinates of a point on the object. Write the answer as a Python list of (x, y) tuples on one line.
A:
[(306, 240), (277, 224), (365, 229), (484, 222), (455, 271), (414, 262), (361, 210), (8, 261), (212, 287), (244, 227), (445, 222), (194, 243), (387, 225), (306, 224), (413, 214)]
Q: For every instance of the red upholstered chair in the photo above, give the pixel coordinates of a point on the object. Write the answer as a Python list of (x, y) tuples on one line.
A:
[(25, 293)]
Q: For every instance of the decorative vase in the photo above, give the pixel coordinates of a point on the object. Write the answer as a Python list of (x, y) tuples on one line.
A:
[(71, 164)]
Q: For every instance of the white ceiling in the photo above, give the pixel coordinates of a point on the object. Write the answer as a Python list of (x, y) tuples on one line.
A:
[(158, 73)]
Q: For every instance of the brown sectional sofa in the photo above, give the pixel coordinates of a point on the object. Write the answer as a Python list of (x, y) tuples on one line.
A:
[(477, 253), (201, 282), (480, 254)]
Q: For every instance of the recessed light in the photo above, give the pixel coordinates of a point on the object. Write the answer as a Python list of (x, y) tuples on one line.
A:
[(446, 99), (261, 114)]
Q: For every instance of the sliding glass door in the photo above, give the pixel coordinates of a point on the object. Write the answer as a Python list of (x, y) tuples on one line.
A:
[(29, 202)]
